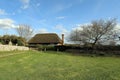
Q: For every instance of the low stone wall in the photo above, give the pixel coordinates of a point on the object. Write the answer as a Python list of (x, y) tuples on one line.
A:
[(12, 48)]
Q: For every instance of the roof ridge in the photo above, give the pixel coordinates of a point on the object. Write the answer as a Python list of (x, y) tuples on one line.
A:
[(46, 33)]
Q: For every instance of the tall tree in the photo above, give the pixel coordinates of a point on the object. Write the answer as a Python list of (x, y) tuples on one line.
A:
[(75, 36), (25, 31), (96, 32)]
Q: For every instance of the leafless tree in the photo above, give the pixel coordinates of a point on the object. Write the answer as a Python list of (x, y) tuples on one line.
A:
[(112, 43), (24, 31), (96, 32), (75, 36)]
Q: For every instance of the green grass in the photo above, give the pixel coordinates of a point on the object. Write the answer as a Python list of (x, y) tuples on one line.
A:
[(34, 65), (10, 52)]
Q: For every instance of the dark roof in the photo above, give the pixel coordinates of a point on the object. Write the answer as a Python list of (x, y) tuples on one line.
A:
[(47, 38)]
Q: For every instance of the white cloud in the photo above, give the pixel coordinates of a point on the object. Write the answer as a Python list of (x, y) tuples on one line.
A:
[(42, 30), (38, 4), (7, 23), (80, 1), (60, 17), (98, 6), (117, 27), (60, 7), (78, 26), (13, 13), (61, 28), (25, 1), (2, 12), (42, 22), (25, 4), (19, 10)]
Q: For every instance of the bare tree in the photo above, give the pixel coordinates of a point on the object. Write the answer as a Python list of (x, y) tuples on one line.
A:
[(96, 32), (112, 43), (75, 36), (24, 31)]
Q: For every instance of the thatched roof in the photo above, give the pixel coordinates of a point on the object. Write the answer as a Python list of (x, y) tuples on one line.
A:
[(47, 38)]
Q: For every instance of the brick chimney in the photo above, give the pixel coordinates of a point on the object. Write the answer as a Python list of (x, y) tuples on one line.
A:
[(62, 39)]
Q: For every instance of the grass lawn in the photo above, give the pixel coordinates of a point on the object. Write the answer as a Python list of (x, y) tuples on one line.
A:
[(34, 65)]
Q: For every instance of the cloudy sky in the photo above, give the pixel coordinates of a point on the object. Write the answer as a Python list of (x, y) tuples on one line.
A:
[(59, 16)]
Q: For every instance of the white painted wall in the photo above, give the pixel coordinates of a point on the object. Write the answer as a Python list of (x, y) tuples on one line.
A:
[(11, 48)]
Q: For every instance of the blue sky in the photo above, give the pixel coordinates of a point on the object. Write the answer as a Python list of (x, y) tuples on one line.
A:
[(59, 16)]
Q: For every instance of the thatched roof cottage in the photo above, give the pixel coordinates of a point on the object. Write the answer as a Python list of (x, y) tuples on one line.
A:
[(46, 39)]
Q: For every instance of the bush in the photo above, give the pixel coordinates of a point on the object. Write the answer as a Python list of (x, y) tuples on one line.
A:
[(98, 50), (45, 47), (60, 48), (5, 39)]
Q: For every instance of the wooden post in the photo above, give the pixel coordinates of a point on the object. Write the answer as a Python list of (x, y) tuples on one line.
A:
[(45, 49)]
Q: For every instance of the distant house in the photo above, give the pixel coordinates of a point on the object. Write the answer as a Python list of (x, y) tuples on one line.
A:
[(46, 39)]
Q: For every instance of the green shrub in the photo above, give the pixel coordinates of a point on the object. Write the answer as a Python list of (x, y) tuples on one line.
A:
[(60, 48), (45, 47)]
